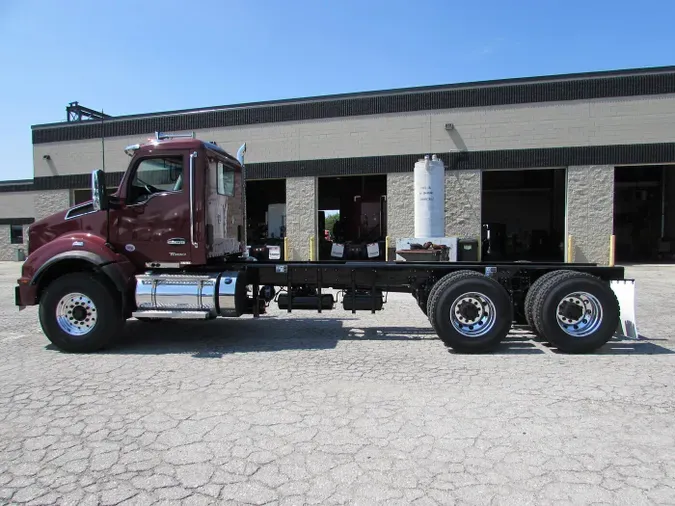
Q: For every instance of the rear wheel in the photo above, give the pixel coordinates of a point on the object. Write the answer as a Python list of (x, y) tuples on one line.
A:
[(576, 312), (470, 312), (432, 292), (442, 284), (80, 313), (531, 295)]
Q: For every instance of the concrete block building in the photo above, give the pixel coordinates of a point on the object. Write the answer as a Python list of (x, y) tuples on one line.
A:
[(529, 163)]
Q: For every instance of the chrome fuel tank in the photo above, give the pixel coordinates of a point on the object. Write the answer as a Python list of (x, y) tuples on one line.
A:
[(209, 294)]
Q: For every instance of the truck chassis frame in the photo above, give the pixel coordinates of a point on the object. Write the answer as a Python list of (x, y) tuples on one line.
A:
[(405, 277), (495, 295)]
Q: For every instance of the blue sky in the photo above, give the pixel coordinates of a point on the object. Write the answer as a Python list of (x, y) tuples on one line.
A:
[(132, 57)]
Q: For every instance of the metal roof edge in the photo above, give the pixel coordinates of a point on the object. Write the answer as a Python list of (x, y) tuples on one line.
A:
[(6, 182), (601, 74)]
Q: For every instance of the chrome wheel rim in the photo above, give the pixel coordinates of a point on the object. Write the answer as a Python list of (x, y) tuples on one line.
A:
[(579, 314), (473, 314), (76, 314)]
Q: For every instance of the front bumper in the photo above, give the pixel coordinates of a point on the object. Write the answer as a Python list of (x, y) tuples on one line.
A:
[(25, 295), (17, 298)]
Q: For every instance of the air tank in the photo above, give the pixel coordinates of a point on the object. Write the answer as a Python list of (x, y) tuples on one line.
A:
[(429, 198)]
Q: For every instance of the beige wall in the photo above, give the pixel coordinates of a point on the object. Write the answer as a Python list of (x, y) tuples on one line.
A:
[(463, 204), (400, 206), (81, 157), (17, 205), (590, 212), (301, 216), (9, 251), (50, 202), (555, 124)]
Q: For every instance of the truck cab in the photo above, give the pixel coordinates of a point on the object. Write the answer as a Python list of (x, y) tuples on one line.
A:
[(180, 202), (180, 206)]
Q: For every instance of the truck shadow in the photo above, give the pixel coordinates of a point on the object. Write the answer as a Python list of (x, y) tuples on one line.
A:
[(214, 339), (616, 346), (625, 346)]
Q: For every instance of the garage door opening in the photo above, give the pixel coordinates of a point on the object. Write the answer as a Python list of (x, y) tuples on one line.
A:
[(352, 219), (644, 213), (265, 214), (523, 215)]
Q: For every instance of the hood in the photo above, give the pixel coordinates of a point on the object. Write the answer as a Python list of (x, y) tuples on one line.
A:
[(79, 218)]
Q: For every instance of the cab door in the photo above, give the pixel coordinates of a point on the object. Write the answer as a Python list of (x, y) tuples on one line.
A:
[(153, 224)]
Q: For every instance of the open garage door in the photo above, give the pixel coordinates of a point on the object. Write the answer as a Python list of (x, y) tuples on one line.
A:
[(361, 229), (644, 213), (523, 215), (265, 215)]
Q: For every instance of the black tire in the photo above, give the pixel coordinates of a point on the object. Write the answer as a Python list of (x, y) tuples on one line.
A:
[(442, 283), (531, 296), (432, 291), (440, 306), (539, 295), (105, 310), (545, 312)]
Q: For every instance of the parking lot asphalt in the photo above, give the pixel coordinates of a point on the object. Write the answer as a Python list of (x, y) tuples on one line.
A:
[(336, 408)]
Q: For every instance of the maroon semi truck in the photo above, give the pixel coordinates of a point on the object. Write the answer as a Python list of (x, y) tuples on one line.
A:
[(171, 244)]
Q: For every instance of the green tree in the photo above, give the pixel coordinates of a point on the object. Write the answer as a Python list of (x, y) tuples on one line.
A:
[(330, 222)]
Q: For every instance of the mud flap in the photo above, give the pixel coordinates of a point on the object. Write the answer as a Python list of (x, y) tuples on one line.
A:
[(625, 293)]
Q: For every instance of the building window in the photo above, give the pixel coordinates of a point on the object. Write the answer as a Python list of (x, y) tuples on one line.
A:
[(16, 234)]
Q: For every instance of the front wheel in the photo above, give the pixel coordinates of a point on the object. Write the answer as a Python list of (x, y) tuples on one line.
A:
[(80, 313)]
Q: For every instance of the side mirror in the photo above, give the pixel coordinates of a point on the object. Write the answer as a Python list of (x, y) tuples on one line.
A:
[(99, 194)]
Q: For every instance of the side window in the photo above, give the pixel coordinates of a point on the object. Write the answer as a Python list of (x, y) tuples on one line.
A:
[(157, 175), (225, 180)]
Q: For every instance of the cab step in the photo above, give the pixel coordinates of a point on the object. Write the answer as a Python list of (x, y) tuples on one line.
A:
[(172, 315)]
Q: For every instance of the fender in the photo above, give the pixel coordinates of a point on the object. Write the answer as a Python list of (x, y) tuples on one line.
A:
[(78, 246)]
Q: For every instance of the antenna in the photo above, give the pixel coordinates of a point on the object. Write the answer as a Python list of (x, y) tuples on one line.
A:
[(107, 212), (103, 140)]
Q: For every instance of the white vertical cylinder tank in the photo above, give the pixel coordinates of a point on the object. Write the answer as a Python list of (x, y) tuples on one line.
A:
[(429, 198)]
